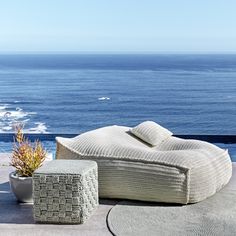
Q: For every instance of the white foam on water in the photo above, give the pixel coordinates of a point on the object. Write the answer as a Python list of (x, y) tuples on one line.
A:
[(7, 128), (40, 128), (103, 98), (13, 114), (3, 106), (10, 116), (18, 109)]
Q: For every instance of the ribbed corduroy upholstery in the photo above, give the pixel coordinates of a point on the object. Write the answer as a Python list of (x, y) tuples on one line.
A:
[(177, 170), (151, 133)]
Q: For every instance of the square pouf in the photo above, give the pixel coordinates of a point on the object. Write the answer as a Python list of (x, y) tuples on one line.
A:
[(65, 191)]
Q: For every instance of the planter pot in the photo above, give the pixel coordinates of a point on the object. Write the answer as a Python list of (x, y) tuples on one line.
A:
[(21, 187)]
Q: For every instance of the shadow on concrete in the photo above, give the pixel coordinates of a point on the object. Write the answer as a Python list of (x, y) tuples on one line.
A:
[(11, 211)]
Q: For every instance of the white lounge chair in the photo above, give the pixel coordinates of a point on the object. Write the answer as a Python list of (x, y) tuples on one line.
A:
[(148, 163)]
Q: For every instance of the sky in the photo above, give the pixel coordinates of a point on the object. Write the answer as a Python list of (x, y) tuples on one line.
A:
[(123, 26)]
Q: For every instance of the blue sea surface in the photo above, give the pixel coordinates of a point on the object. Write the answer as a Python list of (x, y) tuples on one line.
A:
[(188, 94)]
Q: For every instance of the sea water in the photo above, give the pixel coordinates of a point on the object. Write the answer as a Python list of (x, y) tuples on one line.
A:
[(188, 94)]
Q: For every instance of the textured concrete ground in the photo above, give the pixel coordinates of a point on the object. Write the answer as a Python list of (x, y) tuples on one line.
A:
[(17, 219)]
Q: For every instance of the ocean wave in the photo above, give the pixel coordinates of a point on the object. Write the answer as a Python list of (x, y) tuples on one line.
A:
[(10, 116), (40, 128), (7, 128), (16, 115), (103, 98), (19, 109), (3, 106)]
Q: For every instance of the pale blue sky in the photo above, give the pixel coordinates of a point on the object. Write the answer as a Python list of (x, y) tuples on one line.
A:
[(118, 26)]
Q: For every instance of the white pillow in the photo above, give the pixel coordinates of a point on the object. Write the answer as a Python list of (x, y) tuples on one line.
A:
[(150, 132)]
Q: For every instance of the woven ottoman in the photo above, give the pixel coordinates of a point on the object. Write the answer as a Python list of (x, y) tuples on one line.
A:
[(65, 191)]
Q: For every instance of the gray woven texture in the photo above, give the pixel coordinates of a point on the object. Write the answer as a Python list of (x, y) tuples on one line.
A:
[(65, 197), (177, 170), (214, 216)]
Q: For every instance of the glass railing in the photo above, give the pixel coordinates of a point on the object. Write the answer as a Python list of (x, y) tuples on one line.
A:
[(48, 141)]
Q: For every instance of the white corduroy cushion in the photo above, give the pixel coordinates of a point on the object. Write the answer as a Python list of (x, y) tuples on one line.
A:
[(151, 133), (177, 170)]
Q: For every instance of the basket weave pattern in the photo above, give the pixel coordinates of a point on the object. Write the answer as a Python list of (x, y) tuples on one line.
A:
[(65, 198)]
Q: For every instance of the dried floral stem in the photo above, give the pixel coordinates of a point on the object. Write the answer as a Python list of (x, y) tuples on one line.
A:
[(26, 156)]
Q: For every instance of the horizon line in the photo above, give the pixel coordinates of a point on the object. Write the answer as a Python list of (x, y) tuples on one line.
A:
[(119, 52)]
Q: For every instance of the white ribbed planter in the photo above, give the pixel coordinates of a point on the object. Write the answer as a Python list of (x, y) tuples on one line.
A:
[(21, 187)]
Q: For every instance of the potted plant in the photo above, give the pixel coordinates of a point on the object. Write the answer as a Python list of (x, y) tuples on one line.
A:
[(26, 158)]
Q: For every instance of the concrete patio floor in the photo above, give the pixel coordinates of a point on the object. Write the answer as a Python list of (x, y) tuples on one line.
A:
[(17, 219)]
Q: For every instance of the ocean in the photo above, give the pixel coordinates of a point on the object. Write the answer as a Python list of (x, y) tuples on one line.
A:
[(188, 94)]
